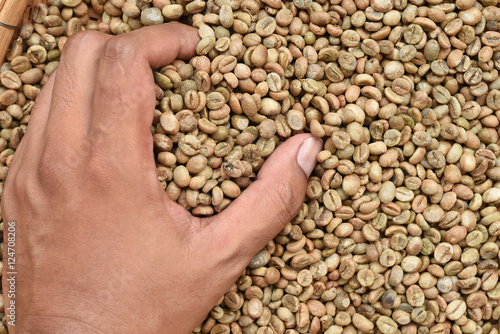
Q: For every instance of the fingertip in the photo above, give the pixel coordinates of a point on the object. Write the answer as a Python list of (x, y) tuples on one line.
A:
[(165, 42), (299, 151), (306, 157), (189, 39)]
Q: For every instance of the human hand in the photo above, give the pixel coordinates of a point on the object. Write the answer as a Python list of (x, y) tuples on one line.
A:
[(100, 247)]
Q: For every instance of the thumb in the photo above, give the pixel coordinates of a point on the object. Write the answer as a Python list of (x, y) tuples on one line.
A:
[(269, 203)]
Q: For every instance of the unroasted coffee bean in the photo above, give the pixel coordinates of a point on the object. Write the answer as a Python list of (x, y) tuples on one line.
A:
[(151, 16), (455, 309), (386, 325), (303, 4), (362, 323), (10, 80)]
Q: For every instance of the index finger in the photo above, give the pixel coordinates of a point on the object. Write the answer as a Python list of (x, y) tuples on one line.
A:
[(124, 98)]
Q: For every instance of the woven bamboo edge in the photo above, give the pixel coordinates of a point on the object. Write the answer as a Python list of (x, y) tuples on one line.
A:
[(13, 13)]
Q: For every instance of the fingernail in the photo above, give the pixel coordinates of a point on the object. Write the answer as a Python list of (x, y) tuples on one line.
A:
[(306, 158)]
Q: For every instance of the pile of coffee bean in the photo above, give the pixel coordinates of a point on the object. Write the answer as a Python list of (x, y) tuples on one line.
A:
[(398, 232)]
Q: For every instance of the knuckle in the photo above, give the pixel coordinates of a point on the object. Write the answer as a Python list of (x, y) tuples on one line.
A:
[(83, 164), (35, 182), (119, 49), (60, 165), (81, 41), (22, 190)]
